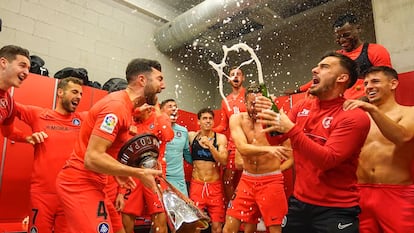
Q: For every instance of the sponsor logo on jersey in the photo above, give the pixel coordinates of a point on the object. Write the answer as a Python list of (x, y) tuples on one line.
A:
[(109, 123), (76, 121), (103, 227), (326, 122), (304, 112)]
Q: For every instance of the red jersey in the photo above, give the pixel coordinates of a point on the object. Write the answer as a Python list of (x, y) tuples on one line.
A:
[(110, 118), (160, 126), (326, 142), (237, 105), (7, 109), (50, 156)]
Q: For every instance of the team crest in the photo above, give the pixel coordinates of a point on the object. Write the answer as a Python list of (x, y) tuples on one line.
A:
[(326, 122), (284, 221), (103, 227), (3, 103), (178, 134), (152, 126), (33, 229), (76, 121), (109, 123)]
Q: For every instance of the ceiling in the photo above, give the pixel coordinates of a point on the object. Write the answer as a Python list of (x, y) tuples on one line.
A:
[(282, 32), (217, 22)]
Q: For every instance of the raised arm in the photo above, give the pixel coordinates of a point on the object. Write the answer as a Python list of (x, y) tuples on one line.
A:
[(398, 131), (220, 154), (247, 149)]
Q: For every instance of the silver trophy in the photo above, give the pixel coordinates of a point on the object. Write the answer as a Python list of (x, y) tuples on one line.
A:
[(180, 209)]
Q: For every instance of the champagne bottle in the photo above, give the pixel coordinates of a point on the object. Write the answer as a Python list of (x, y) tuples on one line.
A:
[(274, 108)]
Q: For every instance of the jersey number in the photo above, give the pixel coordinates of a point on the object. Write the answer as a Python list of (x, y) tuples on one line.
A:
[(127, 193), (35, 211), (102, 210)]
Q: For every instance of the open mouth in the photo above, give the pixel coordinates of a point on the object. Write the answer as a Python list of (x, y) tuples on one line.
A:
[(75, 103), (22, 77), (315, 81), (371, 94)]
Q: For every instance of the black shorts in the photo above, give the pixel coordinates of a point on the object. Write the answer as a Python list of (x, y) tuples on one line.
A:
[(309, 218)]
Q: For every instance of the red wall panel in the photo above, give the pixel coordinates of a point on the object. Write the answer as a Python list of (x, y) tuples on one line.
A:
[(405, 93), (18, 157)]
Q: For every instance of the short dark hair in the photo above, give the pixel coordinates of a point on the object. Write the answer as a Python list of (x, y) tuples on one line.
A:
[(140, 65), (346, 18), (164, 102), (11, 51), (388, 71), (347, 63), (204, 110), (65, 81)]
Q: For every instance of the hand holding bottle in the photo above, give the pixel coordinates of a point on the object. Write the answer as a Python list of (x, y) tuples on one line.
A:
[(273, 107)]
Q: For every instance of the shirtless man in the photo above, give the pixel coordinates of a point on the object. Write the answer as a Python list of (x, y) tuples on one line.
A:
[(232, 170), (208, 149), (385, 163), (260, 191)]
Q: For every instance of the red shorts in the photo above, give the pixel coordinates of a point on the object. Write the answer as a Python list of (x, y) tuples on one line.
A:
[(84, 202), (47, 213), (141, 199), (259, 195), (209, 196), (386, 208)]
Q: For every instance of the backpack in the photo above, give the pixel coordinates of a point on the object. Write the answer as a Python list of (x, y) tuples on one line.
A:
[(80, 73), (115, 84), (37, 66)]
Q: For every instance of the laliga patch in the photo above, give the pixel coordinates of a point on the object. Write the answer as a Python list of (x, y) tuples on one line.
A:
[(33, 229), (103, 227), (109, 123)]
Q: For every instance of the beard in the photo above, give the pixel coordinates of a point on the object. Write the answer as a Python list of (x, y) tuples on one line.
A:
[(150, 95), (67, 105)]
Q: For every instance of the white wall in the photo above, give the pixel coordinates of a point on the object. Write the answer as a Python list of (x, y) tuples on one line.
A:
[(99, 35), (394, 27)]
